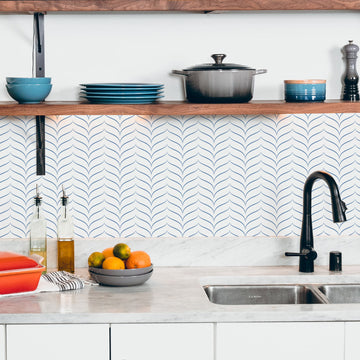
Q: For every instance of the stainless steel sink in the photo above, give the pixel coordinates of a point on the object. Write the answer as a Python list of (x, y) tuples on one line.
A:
[(341, 293), (263, 294)]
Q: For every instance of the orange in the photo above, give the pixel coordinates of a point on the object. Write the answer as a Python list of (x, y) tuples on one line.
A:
[(122, 251), (108, 252), (96, 259), (138, 259), (113, 263)]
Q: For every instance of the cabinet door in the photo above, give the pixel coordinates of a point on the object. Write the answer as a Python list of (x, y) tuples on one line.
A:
[(2, 342), (280, 341), (58, 342), (161, 341), (352, 336)]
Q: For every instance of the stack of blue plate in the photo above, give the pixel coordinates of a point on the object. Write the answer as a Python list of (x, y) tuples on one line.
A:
[(121, 93)]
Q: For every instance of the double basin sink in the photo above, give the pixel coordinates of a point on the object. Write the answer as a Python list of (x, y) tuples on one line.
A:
[(283, 294)]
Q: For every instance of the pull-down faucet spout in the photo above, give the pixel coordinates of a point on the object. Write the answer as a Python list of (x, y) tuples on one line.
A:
[(307, 254)]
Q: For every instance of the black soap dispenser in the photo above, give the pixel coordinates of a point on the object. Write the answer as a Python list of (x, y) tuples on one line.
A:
[(351, 79), (335, 261)]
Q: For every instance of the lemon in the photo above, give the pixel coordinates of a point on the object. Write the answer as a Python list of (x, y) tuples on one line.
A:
[(122, 251), (96, 259), (113, 263)]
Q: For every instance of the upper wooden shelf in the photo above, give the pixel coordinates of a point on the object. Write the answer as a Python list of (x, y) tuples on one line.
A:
[(27, 6), (178, 108)]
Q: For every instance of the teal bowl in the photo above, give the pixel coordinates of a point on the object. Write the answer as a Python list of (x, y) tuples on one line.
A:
[(305, 90), (30, 80), (29, 93)]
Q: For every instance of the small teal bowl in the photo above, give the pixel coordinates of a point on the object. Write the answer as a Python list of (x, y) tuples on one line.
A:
[(26, 80), (29, 93), (305, 90)]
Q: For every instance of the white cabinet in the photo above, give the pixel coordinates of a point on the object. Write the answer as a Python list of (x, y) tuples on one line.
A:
[(58, 342), (2, 342), (233, 341), (161, 341), (280, 341), (352, 337)]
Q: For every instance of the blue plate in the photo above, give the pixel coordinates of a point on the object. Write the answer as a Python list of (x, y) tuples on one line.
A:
[(123, 85), (143, 97), (105, 89), (120, 93), (108, 101)]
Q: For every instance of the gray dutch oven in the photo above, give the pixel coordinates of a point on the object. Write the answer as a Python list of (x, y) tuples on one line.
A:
[(218, 82)]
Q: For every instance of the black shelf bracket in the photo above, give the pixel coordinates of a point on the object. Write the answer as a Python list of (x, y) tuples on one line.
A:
[(39, 67)]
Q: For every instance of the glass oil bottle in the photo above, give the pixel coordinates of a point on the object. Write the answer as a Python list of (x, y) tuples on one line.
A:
[(65, 238), (38, 241)]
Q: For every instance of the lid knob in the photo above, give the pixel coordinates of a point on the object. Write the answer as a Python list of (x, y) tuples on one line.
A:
[(218, 58)]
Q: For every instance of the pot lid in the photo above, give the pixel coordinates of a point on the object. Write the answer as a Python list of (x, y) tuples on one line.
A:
[(218, 65)]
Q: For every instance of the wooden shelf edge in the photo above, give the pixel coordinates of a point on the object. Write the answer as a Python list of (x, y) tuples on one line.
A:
[(178, 108), (29, 6)]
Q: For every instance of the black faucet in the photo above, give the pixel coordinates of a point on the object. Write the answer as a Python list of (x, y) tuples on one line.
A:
[(307, 254)]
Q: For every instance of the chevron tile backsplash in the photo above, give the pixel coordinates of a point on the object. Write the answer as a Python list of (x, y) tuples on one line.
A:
[(181, 176)]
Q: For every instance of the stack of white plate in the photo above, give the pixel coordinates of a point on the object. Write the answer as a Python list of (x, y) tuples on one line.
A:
[(121, 93), (126, 277)]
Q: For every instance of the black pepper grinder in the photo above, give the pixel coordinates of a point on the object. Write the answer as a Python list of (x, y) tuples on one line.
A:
[(351, 78)]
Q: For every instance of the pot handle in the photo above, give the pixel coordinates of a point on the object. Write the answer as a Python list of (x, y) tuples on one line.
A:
[(179, 72), (260, 71)]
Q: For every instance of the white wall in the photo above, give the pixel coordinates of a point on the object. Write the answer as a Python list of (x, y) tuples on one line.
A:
[(146, 47), (86, 154)]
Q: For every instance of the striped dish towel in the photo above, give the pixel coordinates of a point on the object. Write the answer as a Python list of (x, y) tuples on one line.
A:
[(57, 281), (64, 280)]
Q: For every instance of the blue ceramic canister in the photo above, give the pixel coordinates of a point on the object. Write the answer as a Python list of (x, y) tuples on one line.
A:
[(305, 90)]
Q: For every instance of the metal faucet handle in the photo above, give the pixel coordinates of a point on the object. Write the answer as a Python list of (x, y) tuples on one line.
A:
[(306, 253), (343, 206)]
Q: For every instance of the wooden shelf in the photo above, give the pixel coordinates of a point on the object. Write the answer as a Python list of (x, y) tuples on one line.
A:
[(27, 6), (178, 108)]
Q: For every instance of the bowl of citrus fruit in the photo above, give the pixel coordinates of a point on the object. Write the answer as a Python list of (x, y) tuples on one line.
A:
[(119, 266)]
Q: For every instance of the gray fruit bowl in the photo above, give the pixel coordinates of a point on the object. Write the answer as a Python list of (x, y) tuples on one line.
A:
[(125, 272), (111, 280)]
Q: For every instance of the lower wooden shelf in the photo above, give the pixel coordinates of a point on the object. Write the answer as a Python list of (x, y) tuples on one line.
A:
[(24, 6), (177, 108)]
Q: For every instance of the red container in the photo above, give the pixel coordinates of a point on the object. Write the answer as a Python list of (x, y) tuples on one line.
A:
[(18, 273)]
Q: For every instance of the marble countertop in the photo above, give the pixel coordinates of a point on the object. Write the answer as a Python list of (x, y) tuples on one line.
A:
[(175, 294)]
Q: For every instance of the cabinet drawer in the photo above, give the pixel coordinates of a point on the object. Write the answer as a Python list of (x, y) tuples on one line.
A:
[(58, 342), (280, 341), (2, 342), (162, 341)]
